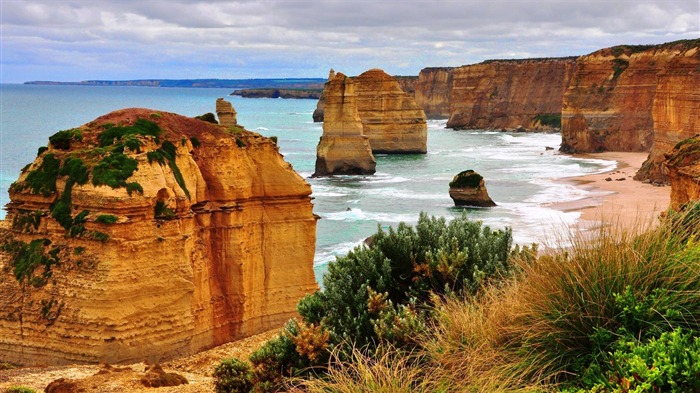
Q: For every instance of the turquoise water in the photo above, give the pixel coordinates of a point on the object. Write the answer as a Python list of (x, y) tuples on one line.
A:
[(522, 176)]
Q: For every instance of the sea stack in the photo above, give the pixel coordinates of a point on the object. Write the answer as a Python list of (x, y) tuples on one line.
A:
[(318, 112), (468, 189), (392, 120), (343, 148), (683, 166), (148, 235), (226, 113)]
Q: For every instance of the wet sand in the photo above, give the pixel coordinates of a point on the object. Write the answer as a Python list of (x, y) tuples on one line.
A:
[(621, 201)]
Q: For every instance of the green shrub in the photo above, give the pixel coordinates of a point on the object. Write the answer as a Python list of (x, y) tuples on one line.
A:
[(117, 133), (97, 235), (106, 219), (195, 142), (273, 139), (62, 139), (277, 359), (76, 171), (550, 119), (163, 212), (168, 152), (41, 150), (27, 221), (43, 179), (233, 376), (25, 258), (619, 66), (134, 187), (208, 117), (114, 170), (240, 143), (19, 389), (467, 179)]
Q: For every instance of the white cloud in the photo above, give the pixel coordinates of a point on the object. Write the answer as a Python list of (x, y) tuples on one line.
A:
[(128, 39)]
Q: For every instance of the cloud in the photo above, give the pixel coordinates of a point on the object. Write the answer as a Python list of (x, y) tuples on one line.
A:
[(129, 39)]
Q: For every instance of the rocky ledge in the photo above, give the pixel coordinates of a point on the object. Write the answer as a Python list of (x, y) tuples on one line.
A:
[(468, 189), (146, 235), (683, 166)]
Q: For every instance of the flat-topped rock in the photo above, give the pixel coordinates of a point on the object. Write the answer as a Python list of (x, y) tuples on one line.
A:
[(468, 189)]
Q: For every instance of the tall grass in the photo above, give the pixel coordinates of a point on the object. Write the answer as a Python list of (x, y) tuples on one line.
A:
[(564, 311)]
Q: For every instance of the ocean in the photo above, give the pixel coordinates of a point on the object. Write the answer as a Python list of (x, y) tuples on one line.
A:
[(522, 176)]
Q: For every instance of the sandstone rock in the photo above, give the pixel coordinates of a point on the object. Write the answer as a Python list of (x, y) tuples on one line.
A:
[(390, 117), (208, 238), (675, 110), (226, 113), (609, 103), (318, 112), (509, 93), (343, 147), (683, 165), (468, 189), (156, 377), (433, 91)]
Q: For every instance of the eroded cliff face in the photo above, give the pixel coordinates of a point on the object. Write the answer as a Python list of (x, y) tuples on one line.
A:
[(609, 102), (683, 169), (144, 235), (390, 117), (675, 111), (433, 91), (507, 94), (343, 149)]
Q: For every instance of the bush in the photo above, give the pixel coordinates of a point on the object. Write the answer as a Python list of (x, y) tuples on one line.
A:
[(208, 117), (134, 187), (116, 133), (40, 150), (25, 258), (163, 212), (233, 376), (43, 179), (62, 139), (106, 219), (195, 142), (114, 170), (19, 389), (551, 119), (467, 179)]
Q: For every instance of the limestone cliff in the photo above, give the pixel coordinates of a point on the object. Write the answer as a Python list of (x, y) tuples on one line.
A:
[(675, 111), (144, 235), (609, 102), (343, 148), (506, 94), (226, 113), (318, 112), (683, 166), (433, 91), (391, 118)]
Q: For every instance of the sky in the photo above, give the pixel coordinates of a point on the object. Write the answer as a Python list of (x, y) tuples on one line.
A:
[(74, 40)]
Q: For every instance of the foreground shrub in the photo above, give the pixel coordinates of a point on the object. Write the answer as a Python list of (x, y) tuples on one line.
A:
[(233, 376), (382, 293)]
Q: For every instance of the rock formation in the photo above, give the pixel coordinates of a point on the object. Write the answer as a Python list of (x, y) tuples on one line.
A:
[(391, 118), (318, 112), (683, 165), (313, 94), (343, 148), (609, 102), (502, 94), (468, 189), (433, 91), (145, 235), (675, 111), (226, 113)]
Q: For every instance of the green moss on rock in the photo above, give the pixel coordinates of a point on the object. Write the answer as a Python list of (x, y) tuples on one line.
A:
[(467, 179)]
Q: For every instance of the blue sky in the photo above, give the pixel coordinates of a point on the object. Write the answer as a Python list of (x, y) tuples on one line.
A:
[(72, 40)]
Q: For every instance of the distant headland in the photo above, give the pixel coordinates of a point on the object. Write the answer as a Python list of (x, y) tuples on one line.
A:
[(287, 83)]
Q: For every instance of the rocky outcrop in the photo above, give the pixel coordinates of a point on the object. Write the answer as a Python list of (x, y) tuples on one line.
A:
[(609, 102), (391, 118), (318, 112), (226, 113), (343, 148), (683, 166), (145, 235), (503, 94), (433, 91), (675, 111), (313, 94), (468, 189)]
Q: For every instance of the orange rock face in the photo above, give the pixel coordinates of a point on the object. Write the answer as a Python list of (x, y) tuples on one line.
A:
[(433, 91), (508, 93), (390, 117), (210, 238), (675, 111), (683, 166), (343, 148), (608, 104)]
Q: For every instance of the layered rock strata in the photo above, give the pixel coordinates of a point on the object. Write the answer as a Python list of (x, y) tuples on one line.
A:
[(683, 166), (610, 102), (509, 94), (433, 91), (318, 112), (145, 235), (469, 189), (391, 118), (343, 148), (675, 111), (226, 113)]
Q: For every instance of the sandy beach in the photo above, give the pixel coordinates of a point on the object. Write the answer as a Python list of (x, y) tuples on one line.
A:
[(621, 201)]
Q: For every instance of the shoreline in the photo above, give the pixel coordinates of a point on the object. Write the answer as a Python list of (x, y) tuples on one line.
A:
[(618, 201)]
